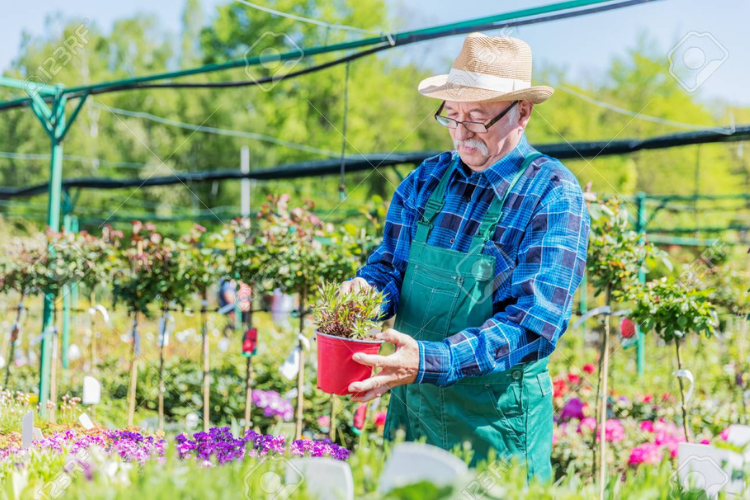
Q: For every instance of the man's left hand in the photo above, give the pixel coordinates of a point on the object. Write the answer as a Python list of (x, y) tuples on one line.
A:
[(399, 368)]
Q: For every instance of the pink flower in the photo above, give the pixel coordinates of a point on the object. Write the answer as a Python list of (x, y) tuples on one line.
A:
[(589, 368), (648, 398), (359, 416), (705, 441), (646, 453), (574, 379), (724, 434), (647, 426), (324, 421), (380, 419), (587, 423), (572, 409), (614, 431), (666, 433)]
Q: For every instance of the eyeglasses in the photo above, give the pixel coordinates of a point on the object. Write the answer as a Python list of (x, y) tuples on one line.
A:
[(476, 127)]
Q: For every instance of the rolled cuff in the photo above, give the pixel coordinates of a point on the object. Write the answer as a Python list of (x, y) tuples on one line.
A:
[(434, 363)]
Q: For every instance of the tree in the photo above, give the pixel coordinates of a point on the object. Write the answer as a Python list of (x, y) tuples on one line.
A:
[(615, 257), (673, 310)]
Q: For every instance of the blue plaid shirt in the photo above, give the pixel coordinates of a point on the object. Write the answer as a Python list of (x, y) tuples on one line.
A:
[(542, 237)]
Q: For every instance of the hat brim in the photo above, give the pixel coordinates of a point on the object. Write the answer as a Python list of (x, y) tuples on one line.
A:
[(438, 87)]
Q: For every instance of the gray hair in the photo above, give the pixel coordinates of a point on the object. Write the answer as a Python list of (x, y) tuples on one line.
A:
[(514, 114)]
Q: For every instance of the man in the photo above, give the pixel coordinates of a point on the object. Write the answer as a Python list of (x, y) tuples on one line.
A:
[(482, 252), (228, 298)]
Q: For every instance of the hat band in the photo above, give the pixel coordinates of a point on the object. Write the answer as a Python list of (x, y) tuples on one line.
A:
[(485, 81)]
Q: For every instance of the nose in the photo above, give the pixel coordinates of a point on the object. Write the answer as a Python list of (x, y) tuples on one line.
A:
[(462, 133)]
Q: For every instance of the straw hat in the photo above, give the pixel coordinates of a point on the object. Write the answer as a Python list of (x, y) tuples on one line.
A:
[(489, 68)]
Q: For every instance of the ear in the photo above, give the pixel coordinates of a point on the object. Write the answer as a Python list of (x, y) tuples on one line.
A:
[(524, 113)]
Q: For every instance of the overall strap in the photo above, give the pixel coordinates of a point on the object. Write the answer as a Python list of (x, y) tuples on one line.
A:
[(495, 212), (434, 205)]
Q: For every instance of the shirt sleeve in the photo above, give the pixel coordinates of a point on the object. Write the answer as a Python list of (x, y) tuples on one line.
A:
[(549, 267), (386, 265)]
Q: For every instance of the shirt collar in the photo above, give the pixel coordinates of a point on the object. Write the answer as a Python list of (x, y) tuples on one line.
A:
[(502, 169)]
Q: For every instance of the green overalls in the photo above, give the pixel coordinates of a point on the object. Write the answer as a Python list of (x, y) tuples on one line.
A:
[(443, 292)]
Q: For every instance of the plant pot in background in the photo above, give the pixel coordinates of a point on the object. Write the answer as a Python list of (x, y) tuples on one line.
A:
[(336, 368)]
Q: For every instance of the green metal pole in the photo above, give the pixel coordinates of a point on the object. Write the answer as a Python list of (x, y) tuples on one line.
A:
[(66, 302), (74, 286), (53, 222), (583, 303), (641, 229)]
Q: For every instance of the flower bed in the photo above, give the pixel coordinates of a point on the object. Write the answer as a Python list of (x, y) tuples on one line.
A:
[(220, 445)]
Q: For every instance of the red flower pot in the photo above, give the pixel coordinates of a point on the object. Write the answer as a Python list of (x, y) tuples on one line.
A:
[(336, 368)]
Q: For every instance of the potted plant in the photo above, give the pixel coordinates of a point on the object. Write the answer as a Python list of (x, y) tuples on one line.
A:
[(344, 323)]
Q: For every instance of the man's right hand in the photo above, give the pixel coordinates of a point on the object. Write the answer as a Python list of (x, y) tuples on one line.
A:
[(354, 285)]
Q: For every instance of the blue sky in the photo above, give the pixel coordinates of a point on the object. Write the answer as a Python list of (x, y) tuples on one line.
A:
[(583, 46)]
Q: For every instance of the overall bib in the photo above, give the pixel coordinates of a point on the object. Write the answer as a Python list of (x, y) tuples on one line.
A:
[(445, 291)]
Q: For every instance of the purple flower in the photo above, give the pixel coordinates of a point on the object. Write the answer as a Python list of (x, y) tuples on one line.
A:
[(130, 446), (572, 409), (273, 405)]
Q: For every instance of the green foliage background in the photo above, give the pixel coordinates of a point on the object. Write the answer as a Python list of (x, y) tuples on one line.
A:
[(385, 114)]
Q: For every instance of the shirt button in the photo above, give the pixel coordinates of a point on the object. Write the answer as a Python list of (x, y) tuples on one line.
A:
[(516, 374), (452, 240)]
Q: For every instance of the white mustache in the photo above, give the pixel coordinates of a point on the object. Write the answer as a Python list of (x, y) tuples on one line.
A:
[(472, 143)]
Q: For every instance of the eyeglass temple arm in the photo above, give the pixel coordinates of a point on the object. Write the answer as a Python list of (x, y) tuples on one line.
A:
[(500, 116), (442, 105)]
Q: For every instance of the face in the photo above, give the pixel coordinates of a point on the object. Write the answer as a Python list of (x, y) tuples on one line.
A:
[(480, 151)]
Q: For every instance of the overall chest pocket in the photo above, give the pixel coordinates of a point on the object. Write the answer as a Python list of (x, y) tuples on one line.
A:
[(428, 301)]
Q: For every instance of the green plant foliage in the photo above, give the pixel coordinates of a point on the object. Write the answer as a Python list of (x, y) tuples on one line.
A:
[(203, 258), (616, 253), (303, 251), (347, 314), (672, 309), (151, 269)]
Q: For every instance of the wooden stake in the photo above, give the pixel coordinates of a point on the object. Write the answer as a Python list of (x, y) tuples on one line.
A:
[(741, 367), (53, 367), (601, 425), (332, 428), (682, 391), (92, 349), (248, 393), (13, 340), (603, 414), (162, 341), (133, 372), (206, 365), (249, 376), (301, 372)]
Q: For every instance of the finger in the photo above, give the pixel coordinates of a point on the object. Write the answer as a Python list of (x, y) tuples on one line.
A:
[(361, 284), (369, 395), (392, 336), (345, 287), (357, 285), (369, 384), (373, 360)]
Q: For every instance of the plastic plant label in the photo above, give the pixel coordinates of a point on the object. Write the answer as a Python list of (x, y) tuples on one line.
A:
[(86, 421), (250, 342), (92, 391), (27, 429)]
